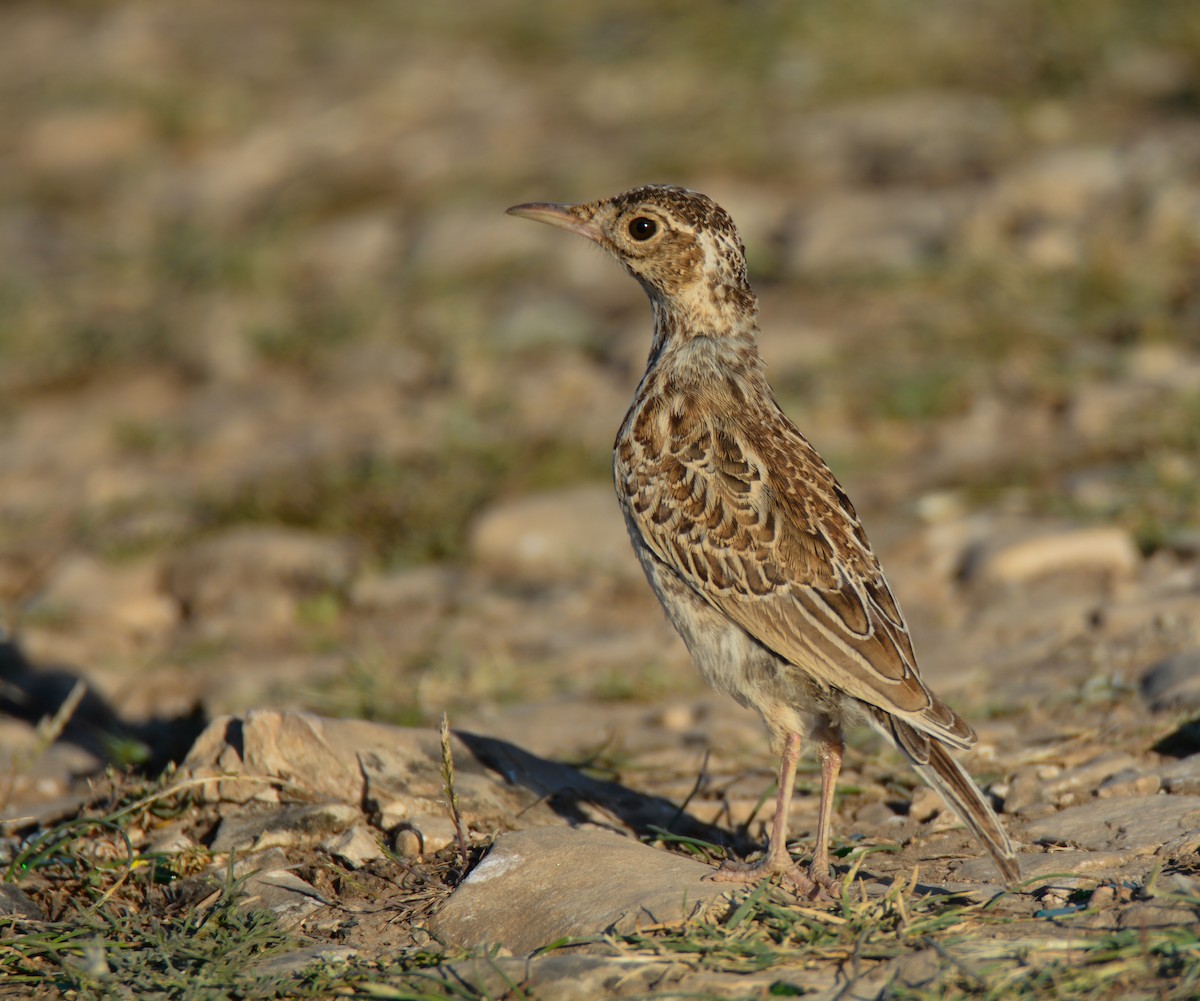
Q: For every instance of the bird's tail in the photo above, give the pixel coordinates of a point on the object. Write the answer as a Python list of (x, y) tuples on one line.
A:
[(935, 765)]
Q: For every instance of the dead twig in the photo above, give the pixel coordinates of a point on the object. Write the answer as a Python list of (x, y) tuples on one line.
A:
[(49, 729), (451, 792)]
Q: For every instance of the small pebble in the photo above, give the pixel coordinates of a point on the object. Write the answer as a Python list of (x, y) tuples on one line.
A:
[(874, 814), (1183, 785), (926, 804), (170, 840), (1182, 777), (677, 718), (354, 847), (424, 835), (1084, 778), (1129, 783), (1156, 914), (1037, 811), (407, 843), (1026, 789)]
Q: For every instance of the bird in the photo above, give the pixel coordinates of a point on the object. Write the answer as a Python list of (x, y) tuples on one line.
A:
[(755, 551)]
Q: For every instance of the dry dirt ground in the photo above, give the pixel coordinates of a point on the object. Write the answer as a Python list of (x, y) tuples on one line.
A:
[(304, 443)]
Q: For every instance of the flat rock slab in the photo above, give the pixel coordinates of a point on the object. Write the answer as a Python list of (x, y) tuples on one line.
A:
[(563, 975), (283, 827), (1095, 864), (538, 886), (283, 893), (339, 760), (1174, 683), (1142, 822), (14, 902), (567, 975), (396, 772)]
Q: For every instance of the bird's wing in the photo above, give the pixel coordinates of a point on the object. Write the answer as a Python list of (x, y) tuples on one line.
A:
[(752, 519)]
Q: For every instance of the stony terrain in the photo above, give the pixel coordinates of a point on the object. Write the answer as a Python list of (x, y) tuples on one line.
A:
[(304, 444)]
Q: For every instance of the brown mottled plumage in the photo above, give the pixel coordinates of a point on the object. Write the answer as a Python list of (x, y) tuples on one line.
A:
[(751, 545)]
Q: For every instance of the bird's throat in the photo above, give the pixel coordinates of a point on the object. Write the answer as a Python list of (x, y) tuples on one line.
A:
[(729, 323)]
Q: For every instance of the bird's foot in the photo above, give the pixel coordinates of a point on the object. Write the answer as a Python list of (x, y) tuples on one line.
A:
[(824, 885), (806, 881)]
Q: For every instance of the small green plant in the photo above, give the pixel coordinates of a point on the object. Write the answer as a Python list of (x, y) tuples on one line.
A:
[(451, 792)]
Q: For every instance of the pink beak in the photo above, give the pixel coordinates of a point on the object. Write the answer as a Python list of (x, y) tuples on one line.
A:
[(576, 218)]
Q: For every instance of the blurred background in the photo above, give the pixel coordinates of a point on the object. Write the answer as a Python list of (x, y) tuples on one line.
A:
[(292, 414)]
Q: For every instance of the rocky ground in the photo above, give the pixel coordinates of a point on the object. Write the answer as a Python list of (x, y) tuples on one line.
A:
[(305, 443)]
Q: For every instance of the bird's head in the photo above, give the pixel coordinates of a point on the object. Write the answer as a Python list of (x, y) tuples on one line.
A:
[(681, 245)]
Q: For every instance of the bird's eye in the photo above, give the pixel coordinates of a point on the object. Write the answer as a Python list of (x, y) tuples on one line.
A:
[(642, 228)]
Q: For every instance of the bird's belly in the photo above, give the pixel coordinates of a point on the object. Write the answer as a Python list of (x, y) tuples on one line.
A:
[(785, 696)]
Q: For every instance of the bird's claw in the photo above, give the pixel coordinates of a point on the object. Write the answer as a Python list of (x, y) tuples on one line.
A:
[(811, 885)]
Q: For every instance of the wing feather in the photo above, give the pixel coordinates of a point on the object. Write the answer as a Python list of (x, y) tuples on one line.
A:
[(753, 520)]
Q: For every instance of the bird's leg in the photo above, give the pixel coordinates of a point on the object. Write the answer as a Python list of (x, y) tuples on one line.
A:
[(829, 753), (777, 859)]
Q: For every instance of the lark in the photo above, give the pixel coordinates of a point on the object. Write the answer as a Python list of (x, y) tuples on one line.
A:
[(750, 543)]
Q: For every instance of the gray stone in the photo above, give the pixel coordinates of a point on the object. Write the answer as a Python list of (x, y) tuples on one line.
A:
[(535, 887), (1182, 778), (39, 774), (115, 604), (1047, 864), (264, 881), (563, 976), (15, 902), (538, 537), (283, 827), (1148, 914), (1086, 777), (1173, 683), (919, 969), (45, 814), (1182, 785), (873, 815), (244, 865), (422, 835), (1139, 822), (354, 847), (1129, 782), (171, 839), (340, 760), (281, 892), (1010, 562), (925, 804), (295, 962), (1027, 789), (1178, 883), (267, 756), (1186, 846)]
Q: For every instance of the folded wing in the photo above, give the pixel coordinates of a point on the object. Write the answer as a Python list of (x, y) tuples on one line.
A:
[(755, 522)]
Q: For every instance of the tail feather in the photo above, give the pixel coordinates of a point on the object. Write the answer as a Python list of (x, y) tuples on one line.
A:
[(935, 765)]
